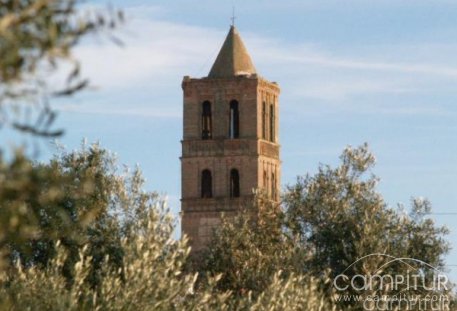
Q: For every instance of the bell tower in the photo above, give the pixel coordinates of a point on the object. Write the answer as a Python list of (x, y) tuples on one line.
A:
[(230, 140)]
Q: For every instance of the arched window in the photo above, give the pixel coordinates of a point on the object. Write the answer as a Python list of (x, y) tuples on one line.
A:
[(273, 186), (207, 184), (264, 120), (234, 183), (207, 126), (234, 121), (272, 123)]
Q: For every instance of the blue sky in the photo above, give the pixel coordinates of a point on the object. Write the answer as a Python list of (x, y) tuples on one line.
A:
[(382, 72)]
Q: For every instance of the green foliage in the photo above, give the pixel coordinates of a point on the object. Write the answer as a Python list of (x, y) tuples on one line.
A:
[(328, 222), (36, 38), (124, 242), (78, 199), (250, 248), (151, 278), (339, 217), (123, 256), (77, 234), (39, 202), (86, 236), (292, 293)]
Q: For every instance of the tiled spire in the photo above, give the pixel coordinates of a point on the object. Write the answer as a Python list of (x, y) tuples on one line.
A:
[(233, 58)]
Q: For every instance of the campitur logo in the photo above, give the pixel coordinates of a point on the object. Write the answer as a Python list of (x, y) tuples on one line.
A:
[(384, 282)]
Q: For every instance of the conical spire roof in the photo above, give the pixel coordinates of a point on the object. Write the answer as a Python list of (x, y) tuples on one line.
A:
[(233, 58)]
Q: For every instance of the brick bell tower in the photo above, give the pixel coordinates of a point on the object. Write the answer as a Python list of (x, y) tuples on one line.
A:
[(230, 141)]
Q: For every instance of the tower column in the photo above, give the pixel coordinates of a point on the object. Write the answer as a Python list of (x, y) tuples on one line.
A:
[(225, 152)]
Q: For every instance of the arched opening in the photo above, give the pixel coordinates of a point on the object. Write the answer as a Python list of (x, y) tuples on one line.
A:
[(272, 123), (207, 184), (234, 120), (207, 126), (234, 183)]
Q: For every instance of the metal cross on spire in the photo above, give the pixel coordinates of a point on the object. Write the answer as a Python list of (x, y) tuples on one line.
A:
[(233, 16)]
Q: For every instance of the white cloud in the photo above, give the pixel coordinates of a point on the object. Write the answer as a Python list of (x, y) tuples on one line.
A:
[(325, 61), (138, 112), (153, 50), (158, 53), (335, 89)]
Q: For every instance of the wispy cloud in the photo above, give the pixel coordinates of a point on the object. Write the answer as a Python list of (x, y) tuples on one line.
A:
[(154, 51), (158, 53), (134, 112), (333, 62)]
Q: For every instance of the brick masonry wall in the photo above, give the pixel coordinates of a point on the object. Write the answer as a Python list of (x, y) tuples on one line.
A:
[(249, 154)]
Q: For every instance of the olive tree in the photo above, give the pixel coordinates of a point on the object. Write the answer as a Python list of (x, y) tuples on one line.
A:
[(332, 223), (37, 38), (345, 225)]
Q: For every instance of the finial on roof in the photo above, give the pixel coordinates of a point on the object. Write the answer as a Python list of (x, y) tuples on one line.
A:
[(233, 58), (233, 16)]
